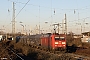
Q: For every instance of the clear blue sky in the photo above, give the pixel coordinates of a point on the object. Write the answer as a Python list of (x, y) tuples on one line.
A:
[(41, 11)]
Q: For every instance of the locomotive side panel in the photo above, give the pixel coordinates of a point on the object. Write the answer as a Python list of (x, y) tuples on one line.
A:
[(52, 42), (45, 40)]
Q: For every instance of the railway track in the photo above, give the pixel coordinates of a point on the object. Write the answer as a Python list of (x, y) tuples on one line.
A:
[(79, 56), (61, 53), (55, 54), (18, 56), (10, 52)]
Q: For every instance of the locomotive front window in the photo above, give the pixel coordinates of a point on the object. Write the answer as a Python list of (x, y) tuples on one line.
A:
[(62, 38), (57, 38)]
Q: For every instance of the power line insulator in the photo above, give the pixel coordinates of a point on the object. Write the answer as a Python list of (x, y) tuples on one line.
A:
[(74, 11), (54, 11)]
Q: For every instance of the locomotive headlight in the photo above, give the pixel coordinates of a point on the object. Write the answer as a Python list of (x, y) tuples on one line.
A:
[(56, 42), (63, 43)]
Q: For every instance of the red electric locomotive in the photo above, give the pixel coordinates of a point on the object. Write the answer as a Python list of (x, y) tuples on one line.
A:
[(53, 41)]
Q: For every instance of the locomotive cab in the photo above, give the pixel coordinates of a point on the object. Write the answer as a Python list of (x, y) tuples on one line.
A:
[(53, 41), (58, 41)]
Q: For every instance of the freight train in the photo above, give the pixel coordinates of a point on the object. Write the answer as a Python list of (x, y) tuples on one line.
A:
[(49, 41)]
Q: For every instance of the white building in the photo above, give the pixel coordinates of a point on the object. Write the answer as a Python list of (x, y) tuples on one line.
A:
[(85, 37)]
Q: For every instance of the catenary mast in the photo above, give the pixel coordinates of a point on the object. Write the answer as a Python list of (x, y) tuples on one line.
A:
[(13, 19)]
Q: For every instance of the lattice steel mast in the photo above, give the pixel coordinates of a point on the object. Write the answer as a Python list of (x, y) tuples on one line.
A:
[(13, 19), (65, 24)]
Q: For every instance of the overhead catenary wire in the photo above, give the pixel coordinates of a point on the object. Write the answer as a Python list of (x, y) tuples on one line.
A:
[(52, 7), (80, 19), (22, 8), (69, 10)]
